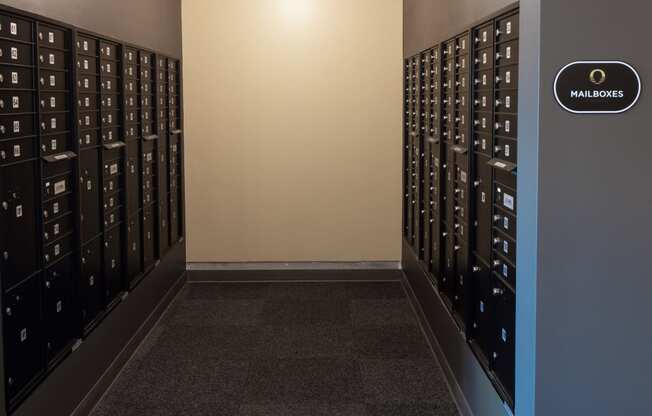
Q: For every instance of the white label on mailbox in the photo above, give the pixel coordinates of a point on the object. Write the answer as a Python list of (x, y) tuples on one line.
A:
[(509, 27), (91, 281), (505, 270), (87, 101), (55, 208), (482, 306), (463, 177), (14, 77), (508, 201), (110, 135), (86, 83), (508, 52), (113, 263), (14, 53), (15, 102), (483, 197), (108, 51), (89, 185), (23, 335), (463, 43), (59, 187), (16, 126), (51, 37), (111, 185), (85, 63), (85, 45), (108, 84), (109, 118), (53, 102), (87, 120), (53, 123), (53, 81), (506, 246), (17, 151), (13, 28), (51, 59), (503, 334), (508, 125), (88, 138), (508, 77), (484, 57), (56, 229), (113, 169), (108, 67), (484, 122), (57, 249), (484, 36), (484, 79), (19, 211), (108, 101), (508, 101), (59, 306), (484, 100), (484, 144), (507, 151)]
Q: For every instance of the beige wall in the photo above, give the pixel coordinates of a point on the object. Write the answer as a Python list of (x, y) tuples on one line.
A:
[(293, 129)]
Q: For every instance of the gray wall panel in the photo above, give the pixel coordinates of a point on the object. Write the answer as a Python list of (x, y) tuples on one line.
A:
[(426, 22), (595, 234), (154, 24)]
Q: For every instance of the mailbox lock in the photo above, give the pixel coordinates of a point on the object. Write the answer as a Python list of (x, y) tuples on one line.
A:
[(497, 240), (497, 263), (8, 310), (476, 269), (497, 291), (47, 284), (497, 217), (477, 183)]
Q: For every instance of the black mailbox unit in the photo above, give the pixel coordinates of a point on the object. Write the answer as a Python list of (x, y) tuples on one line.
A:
[(91, 158), (459, 179)]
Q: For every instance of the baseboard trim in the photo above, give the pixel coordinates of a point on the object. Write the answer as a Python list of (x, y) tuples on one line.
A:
[(97, 392), (294, 275), (311, 265)]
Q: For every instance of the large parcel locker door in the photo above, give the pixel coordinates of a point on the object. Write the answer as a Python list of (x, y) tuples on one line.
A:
[(148, 238), (91, 287), (134, 248), (113, 284), (18, 215), (58, 306), (89, 170), (23, 340), (133, 187)]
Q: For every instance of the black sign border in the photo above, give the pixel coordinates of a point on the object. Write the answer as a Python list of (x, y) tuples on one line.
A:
[(638, 79)]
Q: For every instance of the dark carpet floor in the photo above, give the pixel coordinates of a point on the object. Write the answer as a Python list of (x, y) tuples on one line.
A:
[(290, 349)]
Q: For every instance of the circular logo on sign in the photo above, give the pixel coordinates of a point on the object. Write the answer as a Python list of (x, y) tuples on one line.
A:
[(597, 76)]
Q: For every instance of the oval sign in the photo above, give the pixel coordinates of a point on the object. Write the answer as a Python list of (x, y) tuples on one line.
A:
[(597, 87)]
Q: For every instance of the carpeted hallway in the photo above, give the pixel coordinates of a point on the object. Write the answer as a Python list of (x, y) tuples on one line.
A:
[(259, 349)]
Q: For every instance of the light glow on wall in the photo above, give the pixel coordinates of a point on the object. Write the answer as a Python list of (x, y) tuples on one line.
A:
[(295, 11)]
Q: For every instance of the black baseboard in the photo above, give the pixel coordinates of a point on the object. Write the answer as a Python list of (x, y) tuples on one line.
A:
[(472, 388), (292, 275), (79, 381)]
